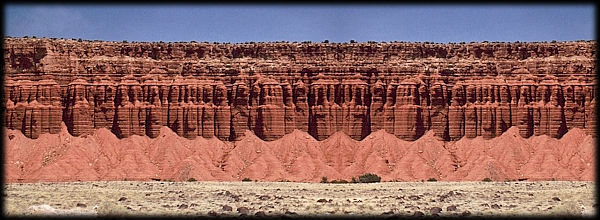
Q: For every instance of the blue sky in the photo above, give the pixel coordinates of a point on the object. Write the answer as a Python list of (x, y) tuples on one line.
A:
[(336, 23)]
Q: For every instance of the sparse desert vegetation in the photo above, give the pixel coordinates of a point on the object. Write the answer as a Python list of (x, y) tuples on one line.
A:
[(477, 198)]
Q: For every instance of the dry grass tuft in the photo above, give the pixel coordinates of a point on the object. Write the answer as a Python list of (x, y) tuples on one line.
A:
[(111, 209), (567, 208)]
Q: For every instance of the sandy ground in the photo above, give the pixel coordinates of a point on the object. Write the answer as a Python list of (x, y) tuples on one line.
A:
[(301, 199)]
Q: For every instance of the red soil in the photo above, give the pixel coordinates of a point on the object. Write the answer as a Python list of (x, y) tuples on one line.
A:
[(296, 157)]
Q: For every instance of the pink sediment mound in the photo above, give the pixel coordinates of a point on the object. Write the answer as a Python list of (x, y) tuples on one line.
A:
[(296, 157)]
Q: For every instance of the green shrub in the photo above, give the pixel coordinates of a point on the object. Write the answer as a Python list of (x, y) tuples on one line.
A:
[(246, 179), (487, 179), (191, 179), (354, 180), (431, 180), (323, 179), (369, 178)]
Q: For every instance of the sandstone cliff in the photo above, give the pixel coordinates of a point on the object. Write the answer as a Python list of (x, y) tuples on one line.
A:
[(271, 89)]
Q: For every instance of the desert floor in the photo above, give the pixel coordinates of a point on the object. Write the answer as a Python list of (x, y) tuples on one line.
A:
[(301, 199)]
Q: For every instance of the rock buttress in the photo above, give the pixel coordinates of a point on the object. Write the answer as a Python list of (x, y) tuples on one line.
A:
[(223, 90)]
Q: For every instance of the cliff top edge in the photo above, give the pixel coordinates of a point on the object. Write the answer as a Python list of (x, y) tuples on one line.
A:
[(325, 42)]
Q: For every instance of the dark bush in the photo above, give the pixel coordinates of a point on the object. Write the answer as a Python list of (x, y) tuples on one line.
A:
[(246, 179), (191, 179), (431, 180), (487, 179), (339, 181), (323, 179), (369, 178)]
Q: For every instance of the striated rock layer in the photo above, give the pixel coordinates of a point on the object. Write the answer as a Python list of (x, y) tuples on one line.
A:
[(296, 156), (271, 89)]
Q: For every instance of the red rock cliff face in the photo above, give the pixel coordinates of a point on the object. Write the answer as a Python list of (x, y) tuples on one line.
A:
[(222, 90)]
